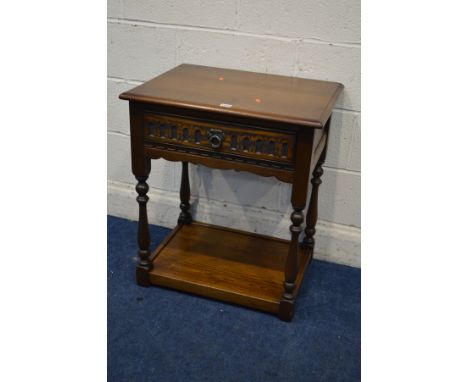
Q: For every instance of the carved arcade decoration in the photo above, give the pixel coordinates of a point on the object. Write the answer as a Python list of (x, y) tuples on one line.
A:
[(238, 141)]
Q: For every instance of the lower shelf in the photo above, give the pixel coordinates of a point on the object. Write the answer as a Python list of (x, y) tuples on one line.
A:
[(229, 265)]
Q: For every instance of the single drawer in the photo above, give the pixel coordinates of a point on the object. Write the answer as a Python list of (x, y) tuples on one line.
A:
[(210, 137)]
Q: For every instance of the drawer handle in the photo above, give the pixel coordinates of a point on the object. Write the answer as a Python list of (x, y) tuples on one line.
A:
[(215, 137)]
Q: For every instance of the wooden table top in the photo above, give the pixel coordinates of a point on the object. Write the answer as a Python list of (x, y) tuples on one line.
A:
[(271, 97)]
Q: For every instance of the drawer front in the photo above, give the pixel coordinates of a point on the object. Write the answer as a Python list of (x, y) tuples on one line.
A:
[(215, 138)]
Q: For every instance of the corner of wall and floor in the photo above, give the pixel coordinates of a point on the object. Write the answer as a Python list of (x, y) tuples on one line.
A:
[(310, 39)]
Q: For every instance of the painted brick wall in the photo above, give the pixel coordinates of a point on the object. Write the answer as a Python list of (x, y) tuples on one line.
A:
[(304, 38)]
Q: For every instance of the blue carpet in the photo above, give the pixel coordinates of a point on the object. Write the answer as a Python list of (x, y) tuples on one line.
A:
[(161, 335)]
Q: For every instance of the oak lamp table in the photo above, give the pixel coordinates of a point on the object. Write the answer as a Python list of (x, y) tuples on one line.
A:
[(265, 124)]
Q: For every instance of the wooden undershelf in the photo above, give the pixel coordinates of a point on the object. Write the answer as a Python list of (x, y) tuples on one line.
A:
[(225, 264)]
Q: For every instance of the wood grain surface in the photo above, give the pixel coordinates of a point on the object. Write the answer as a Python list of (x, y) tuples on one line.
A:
[(284, 99), (225, 264)]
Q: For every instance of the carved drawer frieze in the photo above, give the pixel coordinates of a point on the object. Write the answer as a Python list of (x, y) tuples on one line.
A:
[(219, 138)]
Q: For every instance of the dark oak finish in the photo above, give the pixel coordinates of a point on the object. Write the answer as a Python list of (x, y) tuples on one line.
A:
[(141, 167), (225, 264), (228, 119), (168, 131), (312, 212), (185, 216), (289, 100)]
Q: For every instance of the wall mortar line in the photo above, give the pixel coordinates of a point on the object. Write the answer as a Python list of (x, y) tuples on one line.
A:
[(152, 24), (342, 170)]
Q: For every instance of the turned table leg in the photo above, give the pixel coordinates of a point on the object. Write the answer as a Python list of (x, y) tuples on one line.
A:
[(185, 216), (312, 212), (144, 263), (311, 219), (298, 200), (290, 273)]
